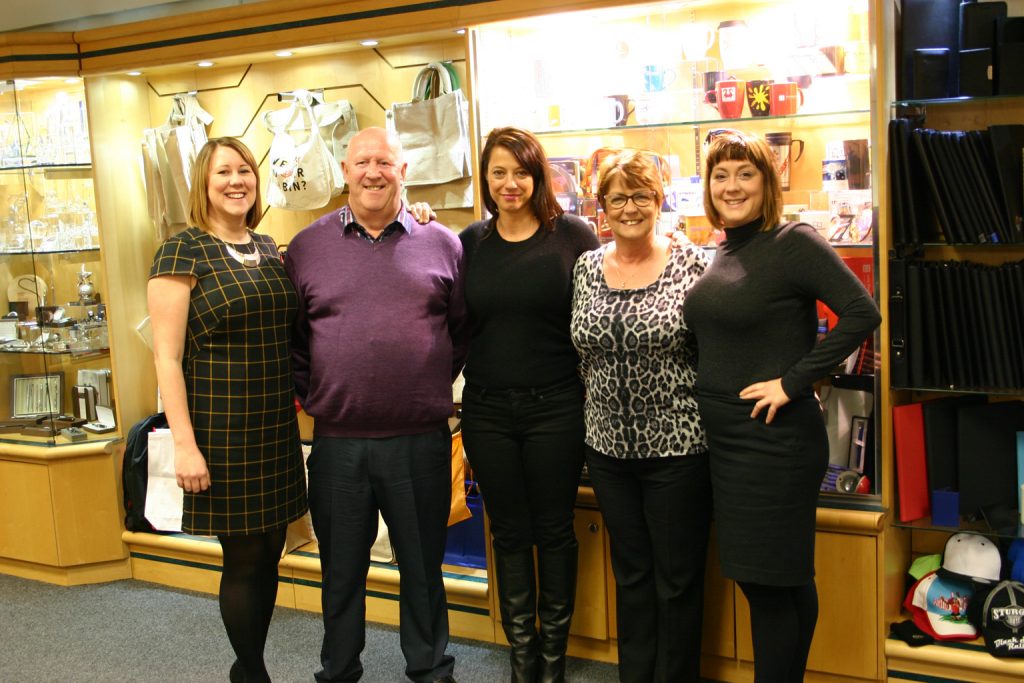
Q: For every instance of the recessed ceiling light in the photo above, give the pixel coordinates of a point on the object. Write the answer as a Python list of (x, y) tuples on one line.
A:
[(134, 73), (460, 31), (369, 43), (284, 53), (204, 65)]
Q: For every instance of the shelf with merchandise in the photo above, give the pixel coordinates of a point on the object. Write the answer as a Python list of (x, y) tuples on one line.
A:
[(53, 328)]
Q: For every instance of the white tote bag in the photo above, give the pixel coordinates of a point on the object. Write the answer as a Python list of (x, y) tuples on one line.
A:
[(433, 130), (336, 120), (303, 173)]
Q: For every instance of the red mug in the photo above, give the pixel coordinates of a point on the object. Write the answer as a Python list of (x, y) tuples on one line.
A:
[(731, 95), (786, 98)]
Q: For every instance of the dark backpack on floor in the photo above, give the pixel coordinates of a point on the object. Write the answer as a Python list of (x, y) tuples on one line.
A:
[(135, 472)]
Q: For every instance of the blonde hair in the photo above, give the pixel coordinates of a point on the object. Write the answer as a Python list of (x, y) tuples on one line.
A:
[(737, 146), (198, 198)]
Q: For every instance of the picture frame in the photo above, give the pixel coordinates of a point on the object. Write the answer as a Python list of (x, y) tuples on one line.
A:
[(33, 395), (858, 442)]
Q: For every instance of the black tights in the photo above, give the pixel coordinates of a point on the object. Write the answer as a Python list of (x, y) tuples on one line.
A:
[(782, 620), (248, 591)]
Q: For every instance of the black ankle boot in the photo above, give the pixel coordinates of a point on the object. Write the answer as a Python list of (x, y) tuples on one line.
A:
[(517, 600), (556, 573)]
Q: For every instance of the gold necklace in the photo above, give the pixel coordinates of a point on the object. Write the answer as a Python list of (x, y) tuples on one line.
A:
[(249, 260), (622, 275)]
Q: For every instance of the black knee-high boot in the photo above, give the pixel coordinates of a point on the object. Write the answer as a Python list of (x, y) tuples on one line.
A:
[(517, 600), (556, 573)]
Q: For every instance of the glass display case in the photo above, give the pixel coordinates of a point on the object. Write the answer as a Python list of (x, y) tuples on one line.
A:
[(666, 78), (55, 386)]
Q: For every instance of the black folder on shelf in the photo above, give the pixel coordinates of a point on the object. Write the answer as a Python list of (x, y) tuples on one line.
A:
[(938, 191), (957, 181), (987, 454), (1007, 146), (940, 437), (1013, 303), (985, 167), (925, 24), (1005, 353), (992, 217), (915, 344), (901, 233), (939, 341), (921, 213), (984, 325), (899, 367), (954, 301)]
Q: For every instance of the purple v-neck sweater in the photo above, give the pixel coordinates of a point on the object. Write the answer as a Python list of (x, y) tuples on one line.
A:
[(380, 331)]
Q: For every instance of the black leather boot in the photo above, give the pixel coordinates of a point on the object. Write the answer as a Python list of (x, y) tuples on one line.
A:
[(556, 573), (517, 600)]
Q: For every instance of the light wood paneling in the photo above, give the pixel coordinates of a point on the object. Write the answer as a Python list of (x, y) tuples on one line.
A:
[(27, 530)]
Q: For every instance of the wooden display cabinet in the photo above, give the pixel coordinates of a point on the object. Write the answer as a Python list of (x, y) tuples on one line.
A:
[(59, 502), (966, 661)]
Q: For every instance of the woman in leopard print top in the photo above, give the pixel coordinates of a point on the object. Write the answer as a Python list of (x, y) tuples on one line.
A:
[(646, 450)]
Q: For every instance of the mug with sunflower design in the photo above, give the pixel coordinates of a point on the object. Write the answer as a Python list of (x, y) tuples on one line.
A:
[(759, 97)]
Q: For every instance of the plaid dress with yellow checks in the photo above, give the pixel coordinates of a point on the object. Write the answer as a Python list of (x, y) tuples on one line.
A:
[(237, 369)]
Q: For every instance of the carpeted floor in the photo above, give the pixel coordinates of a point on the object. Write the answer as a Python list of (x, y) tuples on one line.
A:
[(143, 633)]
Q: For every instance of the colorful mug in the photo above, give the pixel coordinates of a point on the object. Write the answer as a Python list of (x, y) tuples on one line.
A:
[(730, 96), (759, 97), (787, 97)]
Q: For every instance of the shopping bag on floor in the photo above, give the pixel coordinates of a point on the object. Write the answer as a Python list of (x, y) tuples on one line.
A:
[(164, 498)]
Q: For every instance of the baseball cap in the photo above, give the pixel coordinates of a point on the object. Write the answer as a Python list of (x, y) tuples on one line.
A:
[(971, 557), (938, 606), (1002, 621)]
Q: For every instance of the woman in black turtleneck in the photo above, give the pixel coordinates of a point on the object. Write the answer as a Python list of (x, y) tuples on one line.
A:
[(755, 317)]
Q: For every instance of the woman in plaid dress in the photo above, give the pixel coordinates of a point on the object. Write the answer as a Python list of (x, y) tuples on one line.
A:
[(221, 308)]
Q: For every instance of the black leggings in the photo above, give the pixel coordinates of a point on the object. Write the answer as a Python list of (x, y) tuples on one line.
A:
[(782, 620), (248, 591)]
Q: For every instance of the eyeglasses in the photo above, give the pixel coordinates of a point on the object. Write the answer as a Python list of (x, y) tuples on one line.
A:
[(640, 199)]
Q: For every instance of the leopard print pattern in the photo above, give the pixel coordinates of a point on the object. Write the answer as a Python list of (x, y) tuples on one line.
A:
[(638, 359)]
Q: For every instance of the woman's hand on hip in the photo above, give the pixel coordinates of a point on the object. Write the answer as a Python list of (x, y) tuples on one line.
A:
[(768, 395), (190, 470)]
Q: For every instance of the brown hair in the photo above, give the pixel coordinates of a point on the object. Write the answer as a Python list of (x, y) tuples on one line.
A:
[(527, 150), (637, 169), (198, 197), (737, 146)]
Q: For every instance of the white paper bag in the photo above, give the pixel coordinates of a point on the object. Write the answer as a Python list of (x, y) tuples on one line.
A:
[(164, 498)]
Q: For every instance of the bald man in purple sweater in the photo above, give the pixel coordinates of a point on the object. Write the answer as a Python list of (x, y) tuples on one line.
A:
[(378, 341)]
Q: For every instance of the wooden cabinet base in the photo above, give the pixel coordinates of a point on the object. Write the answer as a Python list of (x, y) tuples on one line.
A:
[(194, 563), (77, 575), (949, 661)]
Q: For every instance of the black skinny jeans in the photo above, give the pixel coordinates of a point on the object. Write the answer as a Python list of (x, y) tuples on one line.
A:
[(526, 450)]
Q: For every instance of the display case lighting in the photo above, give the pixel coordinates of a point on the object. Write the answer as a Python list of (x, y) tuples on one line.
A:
[(460, 31), (134, 73), (369, 43), (284, 53), (204, 65)]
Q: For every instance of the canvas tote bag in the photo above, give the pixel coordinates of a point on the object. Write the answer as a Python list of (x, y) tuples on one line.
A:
[(303, 172), (336, 120), (434, 131)]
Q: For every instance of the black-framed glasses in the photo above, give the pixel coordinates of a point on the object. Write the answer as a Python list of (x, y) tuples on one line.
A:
[(640, 199)]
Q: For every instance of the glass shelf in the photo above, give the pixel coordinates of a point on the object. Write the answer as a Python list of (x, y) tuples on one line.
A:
[(77, 353), (824, 118), (963, 390), (981, 526), (46, 167), (958, 101), (37, 252)]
